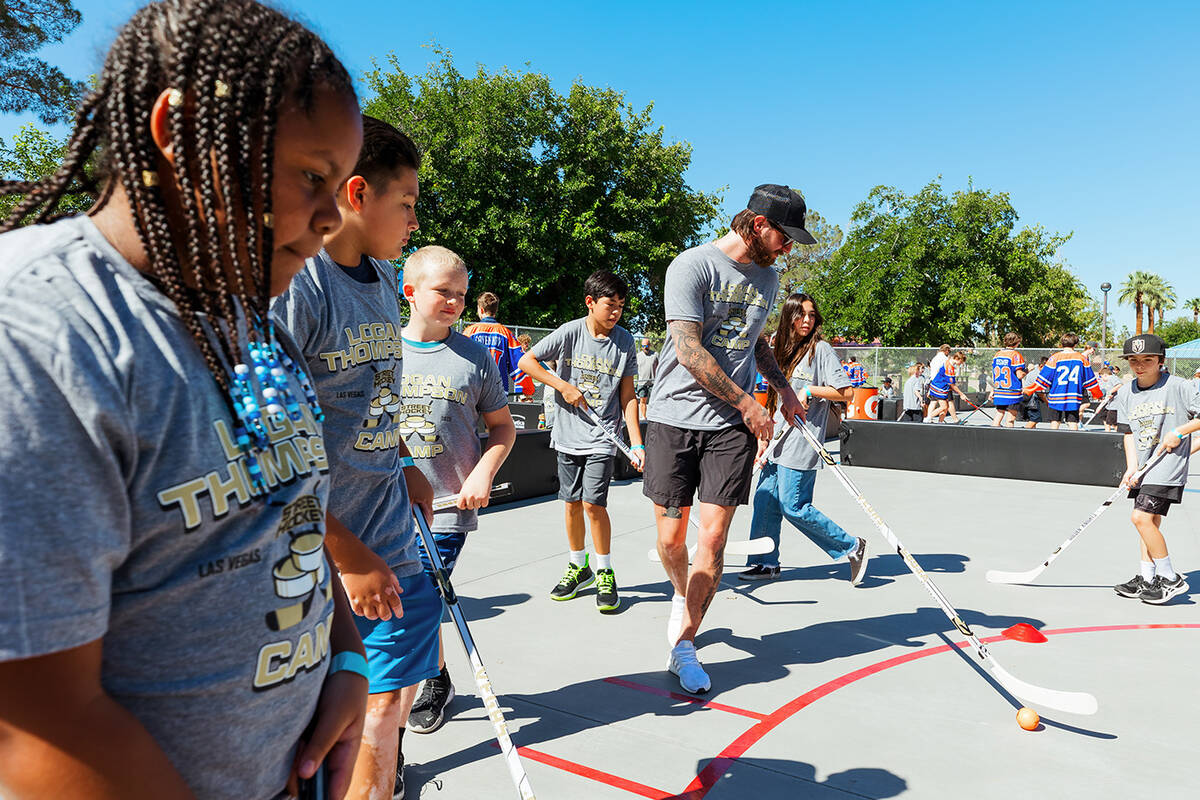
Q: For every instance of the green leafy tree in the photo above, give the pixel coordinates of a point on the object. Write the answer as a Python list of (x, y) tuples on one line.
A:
[(798, 266), (1133, 293), (34, 154), (1193, 306), (536, 189), (27, 83), (1178, 331), (931, 268)]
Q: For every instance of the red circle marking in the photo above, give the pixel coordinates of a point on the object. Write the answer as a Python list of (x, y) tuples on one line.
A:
[(711, 773), (715, 769)]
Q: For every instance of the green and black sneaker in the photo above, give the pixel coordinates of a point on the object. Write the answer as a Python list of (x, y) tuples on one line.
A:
[(606, 590), (576, 578)]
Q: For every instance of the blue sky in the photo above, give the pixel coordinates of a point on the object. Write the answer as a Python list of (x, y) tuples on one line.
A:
[(1086, 113)]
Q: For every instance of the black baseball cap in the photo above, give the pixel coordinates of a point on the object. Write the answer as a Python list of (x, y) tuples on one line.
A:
[(1144, 344), (783, 206)]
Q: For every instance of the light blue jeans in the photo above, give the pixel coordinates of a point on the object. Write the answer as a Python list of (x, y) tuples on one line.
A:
[(783, 492)]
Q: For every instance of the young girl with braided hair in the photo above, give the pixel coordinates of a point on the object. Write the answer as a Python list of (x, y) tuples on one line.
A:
[(163, 477)]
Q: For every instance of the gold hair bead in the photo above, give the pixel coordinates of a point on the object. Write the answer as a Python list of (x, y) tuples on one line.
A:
[(268, 220), (149, 177), (174, 98), (222, 88)]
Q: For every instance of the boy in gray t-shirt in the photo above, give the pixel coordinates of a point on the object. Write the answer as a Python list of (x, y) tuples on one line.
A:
[(344, 310), (1154, 412), (449, 382), (596, 368)]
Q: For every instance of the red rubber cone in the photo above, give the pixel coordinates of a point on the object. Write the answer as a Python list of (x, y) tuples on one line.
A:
[(1024, 632)]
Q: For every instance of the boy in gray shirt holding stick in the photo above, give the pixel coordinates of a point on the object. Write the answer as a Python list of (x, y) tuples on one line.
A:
[(449, 382), (596, 368), (1154, 409)]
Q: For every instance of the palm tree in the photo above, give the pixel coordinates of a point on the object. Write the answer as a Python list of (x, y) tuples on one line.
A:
[(1159, 297), (1132, 293), (1193, 306)]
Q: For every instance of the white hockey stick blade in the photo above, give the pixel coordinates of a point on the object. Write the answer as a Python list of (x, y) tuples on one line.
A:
[(747, 547), (1069, 702), (1000, 576)]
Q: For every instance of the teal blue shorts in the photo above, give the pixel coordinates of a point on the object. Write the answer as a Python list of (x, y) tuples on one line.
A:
[(403, 652)]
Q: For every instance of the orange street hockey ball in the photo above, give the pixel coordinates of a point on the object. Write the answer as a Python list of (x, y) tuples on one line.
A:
[(1028, 719)]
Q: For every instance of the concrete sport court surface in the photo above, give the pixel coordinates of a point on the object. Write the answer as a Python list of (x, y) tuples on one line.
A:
[(821, 690)]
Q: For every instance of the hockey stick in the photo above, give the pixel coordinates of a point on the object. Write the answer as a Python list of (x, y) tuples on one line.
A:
[(977, 408), (516, 769), (451, 500), (1099, 409), (999, 576), (1070, 702)]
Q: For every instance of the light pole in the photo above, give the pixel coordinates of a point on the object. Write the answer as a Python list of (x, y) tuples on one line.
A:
[(1104, 287)]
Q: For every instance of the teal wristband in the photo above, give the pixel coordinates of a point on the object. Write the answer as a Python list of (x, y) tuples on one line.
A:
[(637, 447), (808, 395), (349, 661), (1177, 433), (406, 462)]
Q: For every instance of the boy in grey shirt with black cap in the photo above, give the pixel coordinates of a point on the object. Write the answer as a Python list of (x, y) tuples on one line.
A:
[(596, 367), (1155, 412)]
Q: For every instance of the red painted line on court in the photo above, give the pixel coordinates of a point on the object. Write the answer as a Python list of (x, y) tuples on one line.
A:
[(641, 687), (716, 768), (632, 787)]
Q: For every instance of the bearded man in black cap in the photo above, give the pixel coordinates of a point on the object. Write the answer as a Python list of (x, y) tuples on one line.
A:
[(703, 418)]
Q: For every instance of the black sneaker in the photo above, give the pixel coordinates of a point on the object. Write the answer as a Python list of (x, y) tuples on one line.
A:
[(575, 578), (429, 711), (1160, 590), (858, 562), (606, 590), (1132, 587), (398, 788), (760, 572)]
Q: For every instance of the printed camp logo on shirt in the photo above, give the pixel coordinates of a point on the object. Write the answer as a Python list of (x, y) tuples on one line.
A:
[(734, 331), (418, 428), (374, 341), (586, 371), (1143, 418), (299, 578), (296, 450), (732, 335), (384, 409)]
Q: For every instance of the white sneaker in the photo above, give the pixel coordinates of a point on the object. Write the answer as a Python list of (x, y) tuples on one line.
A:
[(675, 621), (686, 667)]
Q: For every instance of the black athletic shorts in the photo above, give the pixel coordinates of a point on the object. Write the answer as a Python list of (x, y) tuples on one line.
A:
[(1155, 499), (1013, 407), (1054, 415), (912, 415), (712, 466), (1110, 416)]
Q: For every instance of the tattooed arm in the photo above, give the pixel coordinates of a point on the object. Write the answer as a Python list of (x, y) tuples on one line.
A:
[(708, 373), (764, 359)]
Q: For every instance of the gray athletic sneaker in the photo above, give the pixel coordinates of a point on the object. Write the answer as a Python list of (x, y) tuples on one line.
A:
[(686, 666), (858, 562)]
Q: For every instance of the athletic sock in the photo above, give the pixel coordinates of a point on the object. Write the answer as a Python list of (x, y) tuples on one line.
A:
[(1147, 570), (1162, 566), (579, 558), (604, 561), (675, 620)]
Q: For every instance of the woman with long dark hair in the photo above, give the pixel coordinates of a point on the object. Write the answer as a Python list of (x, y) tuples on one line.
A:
[(785, 485)]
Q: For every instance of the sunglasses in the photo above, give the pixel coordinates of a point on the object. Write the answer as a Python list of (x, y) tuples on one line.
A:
[(787, 240)]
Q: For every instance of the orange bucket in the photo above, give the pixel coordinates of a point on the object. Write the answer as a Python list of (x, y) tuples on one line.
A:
[(761, 397), (865, 404)]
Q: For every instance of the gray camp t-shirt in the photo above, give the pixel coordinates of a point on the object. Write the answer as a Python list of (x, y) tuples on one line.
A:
[(446, 386), (126, 513), (1150, 413), (350, 335), (912, 392), (595, 365), (731, 301), (821, 368)]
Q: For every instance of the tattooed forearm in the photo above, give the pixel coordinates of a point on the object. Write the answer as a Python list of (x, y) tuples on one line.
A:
[(768, 367), (701, 364)]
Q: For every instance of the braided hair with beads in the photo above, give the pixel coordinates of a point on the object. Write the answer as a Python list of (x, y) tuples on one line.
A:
[(229, 66)]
